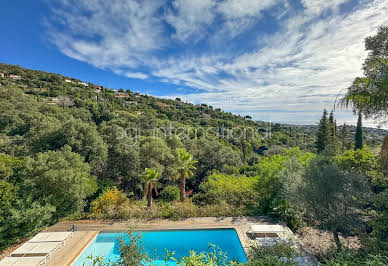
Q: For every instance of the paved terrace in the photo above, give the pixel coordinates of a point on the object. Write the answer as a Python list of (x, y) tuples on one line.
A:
[(88, 230)]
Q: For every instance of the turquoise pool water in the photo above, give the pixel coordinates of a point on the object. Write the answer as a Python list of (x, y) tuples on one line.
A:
[(156, 242)]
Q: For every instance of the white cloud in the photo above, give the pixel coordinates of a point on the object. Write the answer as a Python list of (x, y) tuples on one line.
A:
[(243, 8), (288, 73), (318, 6), (107, 34), (136, 75), (190, 17)]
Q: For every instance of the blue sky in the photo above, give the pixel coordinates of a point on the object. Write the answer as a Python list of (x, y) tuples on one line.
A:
[(278, 60)]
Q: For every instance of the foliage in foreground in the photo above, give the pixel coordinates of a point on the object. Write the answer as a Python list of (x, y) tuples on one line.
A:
[(353, 258), (277, 255)]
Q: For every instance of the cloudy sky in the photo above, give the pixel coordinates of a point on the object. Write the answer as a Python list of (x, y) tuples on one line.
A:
[(278, 60)]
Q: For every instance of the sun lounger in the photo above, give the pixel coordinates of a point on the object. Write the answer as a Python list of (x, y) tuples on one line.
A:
[(51, 237), (265, 231), (36, 249), (266, 228), (22, 261)]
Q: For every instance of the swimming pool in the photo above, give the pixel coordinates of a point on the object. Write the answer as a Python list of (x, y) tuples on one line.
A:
[(156, 242)]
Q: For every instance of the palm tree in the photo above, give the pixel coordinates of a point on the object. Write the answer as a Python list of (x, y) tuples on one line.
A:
[(151, 177), (184, 169)]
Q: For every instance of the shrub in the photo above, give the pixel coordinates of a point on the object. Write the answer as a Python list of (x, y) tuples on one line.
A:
[(166, 210), (169, 194), (223, 209), (354, 258), (109, 202), (213, 257), (172, 210), (184, 210), (280, 254), (132, 250), (235, 190), (279, 177), (363, 162)]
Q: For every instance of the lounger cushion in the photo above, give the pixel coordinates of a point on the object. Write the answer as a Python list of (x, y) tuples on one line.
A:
[(36, 248), (51, 237), (22, 261)]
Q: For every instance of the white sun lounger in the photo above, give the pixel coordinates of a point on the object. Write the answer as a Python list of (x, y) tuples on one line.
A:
[(36, 249), (264, 232), (51, 237), (266, 228), (22, 261)]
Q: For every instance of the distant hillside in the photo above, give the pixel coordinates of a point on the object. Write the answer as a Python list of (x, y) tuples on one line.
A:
[(373, 136), (145, 111)]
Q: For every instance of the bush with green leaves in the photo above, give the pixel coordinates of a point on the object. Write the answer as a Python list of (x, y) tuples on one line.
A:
[(281, 254), (333, 199), (354, 258), (279, 175), (233, 189), (59, 178), (213, 257), (109, 202), (364, 162), (269, 169), (169, 194)]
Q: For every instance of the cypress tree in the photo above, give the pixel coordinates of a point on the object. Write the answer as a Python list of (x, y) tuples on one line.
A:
[(322, 133), (343, 134), (331, 146), (332, 128), (358, 137)]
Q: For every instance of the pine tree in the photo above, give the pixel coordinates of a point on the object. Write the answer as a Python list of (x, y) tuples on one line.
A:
[(343, 134), (322, 133), (358, 137)]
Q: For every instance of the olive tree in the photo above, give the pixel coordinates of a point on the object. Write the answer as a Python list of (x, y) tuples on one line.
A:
[(333, 198)]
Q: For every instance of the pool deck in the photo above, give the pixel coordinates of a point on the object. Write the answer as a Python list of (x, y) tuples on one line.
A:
[(88, 230)]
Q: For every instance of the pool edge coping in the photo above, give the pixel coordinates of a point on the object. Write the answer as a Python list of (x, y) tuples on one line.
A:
[(82, 250)]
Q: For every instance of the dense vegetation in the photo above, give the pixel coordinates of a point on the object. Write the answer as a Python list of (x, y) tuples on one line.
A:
[(70, 150)]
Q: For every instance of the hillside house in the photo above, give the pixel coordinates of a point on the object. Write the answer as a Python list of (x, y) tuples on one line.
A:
[(97, 91), (53, 100), (15, 77), (1, 75), (83, 83), (67, 80), (121, 95)]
